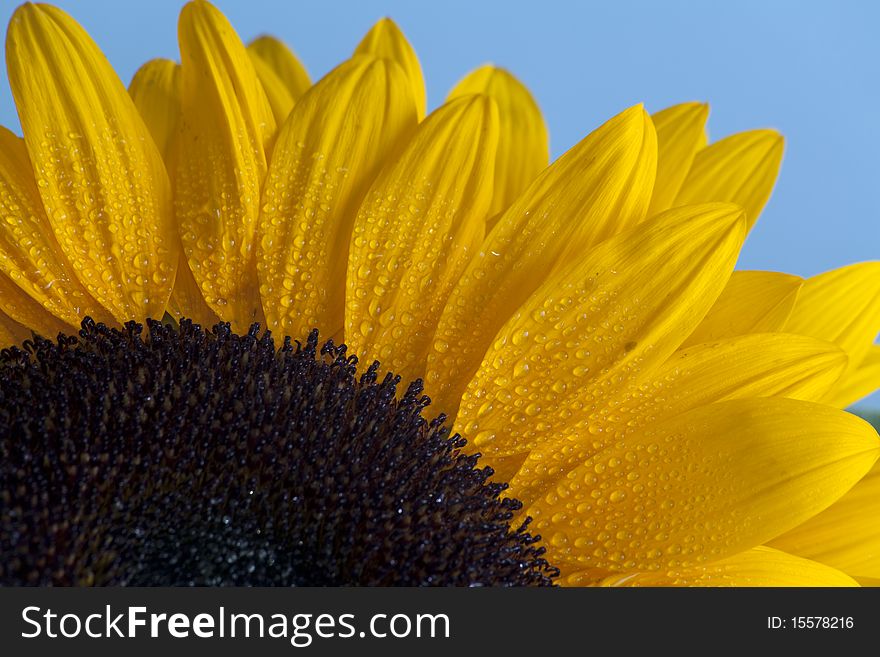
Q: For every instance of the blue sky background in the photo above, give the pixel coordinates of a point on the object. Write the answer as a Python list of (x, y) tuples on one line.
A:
[(810, 69)]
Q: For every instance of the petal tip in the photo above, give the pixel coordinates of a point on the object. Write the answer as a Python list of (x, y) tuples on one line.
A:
[(633, 120), (387, 23), (770, 138), (727, 218), (701, 110), (29, 11), (198, 10), (778, 140), (727, 212), (869, 432)]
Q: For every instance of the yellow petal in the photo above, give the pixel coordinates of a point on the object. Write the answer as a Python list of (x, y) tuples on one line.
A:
[(760, 566), (761, 365), (846, 535), (841, 306), (857, 383), (523, 147), (757, 365), (11, 332), (386, 40), (24, 311), (504, 468), (868, 582), (681, 132), (226, 128), (599, 323), (99, 172), (332, 147), (187, 300), (419, 226), (752, 302), (7, 332), (283, 62), (599, 188), (703, 486), (30, 256), (740, 169), (279, 97), (156, 92)]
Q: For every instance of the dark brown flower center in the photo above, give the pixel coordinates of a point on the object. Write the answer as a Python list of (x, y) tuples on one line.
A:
[(192, 457)]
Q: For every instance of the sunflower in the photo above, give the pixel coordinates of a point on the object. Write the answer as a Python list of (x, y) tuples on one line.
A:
[(659, 418)]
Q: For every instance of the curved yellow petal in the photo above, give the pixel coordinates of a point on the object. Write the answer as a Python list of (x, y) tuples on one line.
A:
[(186, 298), (11, 332), (523, 145), (283, 62), (703, 486), (332, 147), (156, 92), (858, 382), (681, 132), (757, 365), (418, 228), (752, 302), (505, 468), (598, 324), (761, 365), (26, 312), (279, 97), (226, 129), (846, 535), (599, 188), (386, 40), (739, 169), (98, 170), (760, 566), (841, 306), (7, 332), (31, 257)]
